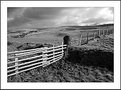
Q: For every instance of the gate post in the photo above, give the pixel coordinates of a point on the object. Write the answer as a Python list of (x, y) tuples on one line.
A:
[(66, 41)]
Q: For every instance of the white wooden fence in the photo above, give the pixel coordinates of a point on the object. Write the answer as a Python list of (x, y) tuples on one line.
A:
[(88, 35), (20, 61)]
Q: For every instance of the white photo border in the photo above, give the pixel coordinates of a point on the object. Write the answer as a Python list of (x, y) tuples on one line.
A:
[(90, 85)]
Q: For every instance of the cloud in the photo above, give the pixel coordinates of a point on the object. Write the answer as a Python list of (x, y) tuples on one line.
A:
[(19, 16), (88, 16), (57, 16), (17, 21), (106, 13), (43, 12), (10, 10), (15, 16), (95, 21), (14, 11)]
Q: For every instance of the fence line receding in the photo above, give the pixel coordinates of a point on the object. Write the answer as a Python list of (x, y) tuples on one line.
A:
[(20, 61)]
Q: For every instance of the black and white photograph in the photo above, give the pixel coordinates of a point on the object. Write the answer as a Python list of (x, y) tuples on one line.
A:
[(60, 44)]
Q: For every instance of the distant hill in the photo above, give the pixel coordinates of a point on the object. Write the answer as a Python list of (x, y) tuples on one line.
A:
[(106, 25), (88, 27), (62, 28), (91, 25)]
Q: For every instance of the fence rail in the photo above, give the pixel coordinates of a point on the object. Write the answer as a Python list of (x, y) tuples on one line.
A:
[(20, 61)]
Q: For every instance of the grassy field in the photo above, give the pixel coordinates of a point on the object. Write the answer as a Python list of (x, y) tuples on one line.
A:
[(52, 35), (66, 72), (92, 62)]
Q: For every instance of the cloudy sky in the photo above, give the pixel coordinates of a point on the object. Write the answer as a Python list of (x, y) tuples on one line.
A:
[(38, 17)]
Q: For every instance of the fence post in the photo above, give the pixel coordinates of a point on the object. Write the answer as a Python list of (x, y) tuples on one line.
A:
[(44, 56), (99, 33), (80, 39), (94, 34), (112, 31), (62, 49), (87, 37), (16, 65), (103, 32), (107, 31), (53, 53)]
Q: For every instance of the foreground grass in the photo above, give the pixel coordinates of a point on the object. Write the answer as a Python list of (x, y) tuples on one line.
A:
[(62, 71)]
